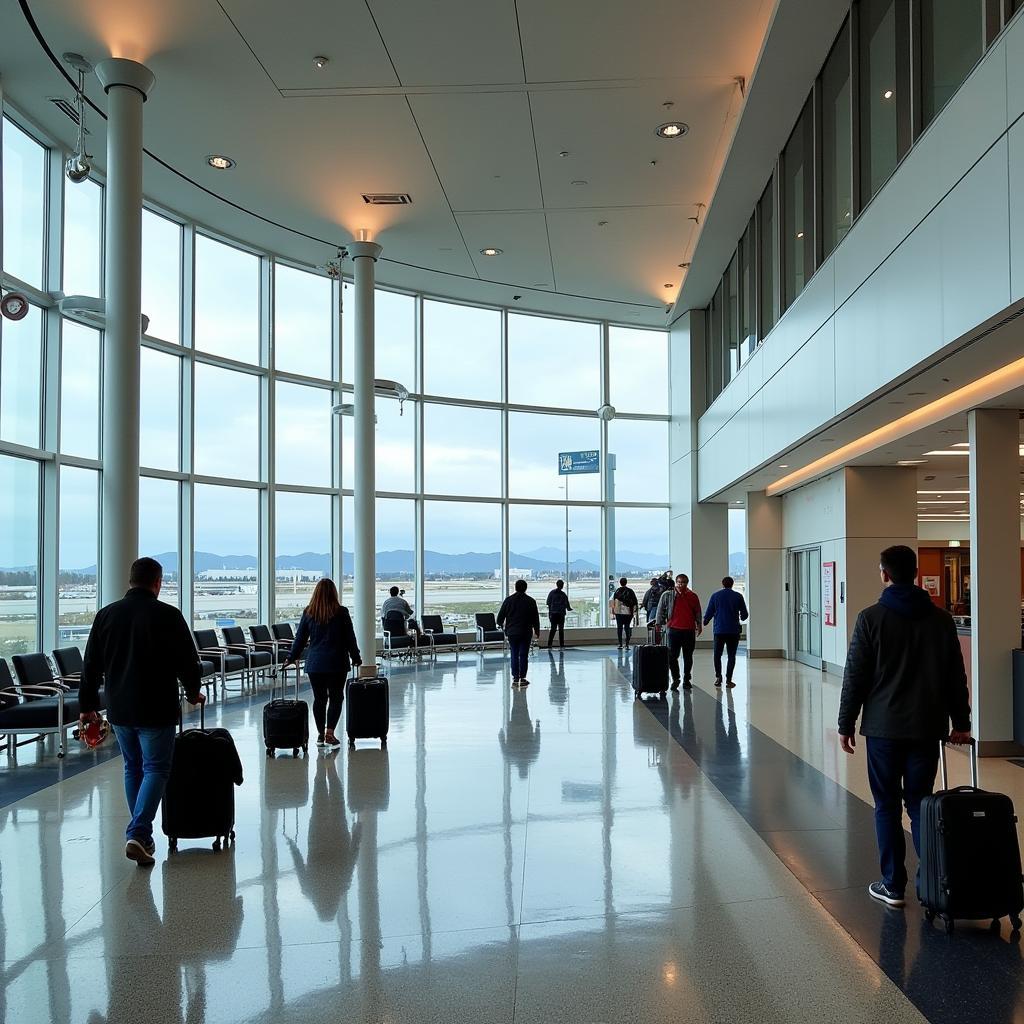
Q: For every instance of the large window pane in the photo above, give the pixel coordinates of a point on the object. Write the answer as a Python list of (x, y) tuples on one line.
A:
[(302, 424), (769, 260), (394, 337), (79, 390), (24, 212), (227, 418), (638, 548), (227, 301), (159, 402), (836, 143), (226, 589), (461, 351), (534, 443), (715, 343), (77, 559), (538, 538), (21, 374), (395, 523), (731, 318), (640, 469), (161, 276), (638, 370), (302, 322), (553, 362), (19, 556), (83, 231), (462, 450), (952, 42), (748, 293), (879, 94), (302, 524), (158, 531), (395, 450), (798, 207), (462, 552)]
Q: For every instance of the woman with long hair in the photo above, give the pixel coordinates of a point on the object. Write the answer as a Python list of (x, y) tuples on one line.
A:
[(327, 627)]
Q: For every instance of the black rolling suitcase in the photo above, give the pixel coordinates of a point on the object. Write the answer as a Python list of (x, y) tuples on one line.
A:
[(367, 709), (970, 857), (199, 802), (286, 722), (650, 670)]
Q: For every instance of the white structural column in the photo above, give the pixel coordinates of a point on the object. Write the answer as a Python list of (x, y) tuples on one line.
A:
[(698, 531), (766, 577), (126, 84), (364, 258), (995, 572)]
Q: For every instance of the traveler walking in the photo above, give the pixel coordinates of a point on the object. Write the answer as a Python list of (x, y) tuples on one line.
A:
[(649, 602), (397, 603), (679, 611), (558, 605), (327, 628), (520, 619), (728, 610), (140, 650), (624, 606), (905, 677)]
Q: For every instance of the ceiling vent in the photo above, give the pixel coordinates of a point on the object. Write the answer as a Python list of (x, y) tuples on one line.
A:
[(67, 108), (387, 198)]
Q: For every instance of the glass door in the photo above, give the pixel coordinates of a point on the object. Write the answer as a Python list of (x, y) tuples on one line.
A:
[(805, 592)]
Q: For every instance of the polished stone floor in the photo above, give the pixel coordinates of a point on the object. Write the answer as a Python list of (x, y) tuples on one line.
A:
[(562, 853)]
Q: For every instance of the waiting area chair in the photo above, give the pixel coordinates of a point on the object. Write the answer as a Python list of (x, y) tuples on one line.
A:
[(35, 710), (257, 660), (440, 639), (398, 641), (487, 632), (279, 650), (226, 664), (69, 665)]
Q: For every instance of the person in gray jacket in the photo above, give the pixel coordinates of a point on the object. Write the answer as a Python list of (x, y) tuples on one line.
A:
[(397, 603)]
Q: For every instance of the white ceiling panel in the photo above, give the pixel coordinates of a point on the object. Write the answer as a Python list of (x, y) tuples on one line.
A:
[(285, 37), (630, 259), (522, 237), (482, 147), (609, 135), (451, 42), (580, 40)]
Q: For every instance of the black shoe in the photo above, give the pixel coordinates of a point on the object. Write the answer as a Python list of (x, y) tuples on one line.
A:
[(675, 686), (730, 684), (524, 682), (718, 680), (687, 686), (882, 893)]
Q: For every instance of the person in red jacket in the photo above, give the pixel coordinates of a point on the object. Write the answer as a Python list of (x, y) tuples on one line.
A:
[(679, 611)]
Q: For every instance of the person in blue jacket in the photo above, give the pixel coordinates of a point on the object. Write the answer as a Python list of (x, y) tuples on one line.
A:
[(728, 609)]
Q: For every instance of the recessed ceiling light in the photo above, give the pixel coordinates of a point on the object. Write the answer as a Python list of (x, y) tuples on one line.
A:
[(799, 234), (911, 462), (321, 62), (564, 152), (602, 223), (671, 130), (783, 465), (220, 162), (887, 95), (579, 181), (669, 285), (490, 251)]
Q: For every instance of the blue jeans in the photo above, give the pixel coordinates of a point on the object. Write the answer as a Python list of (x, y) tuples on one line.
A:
[(147, 766), (899, 771), (519, 648)]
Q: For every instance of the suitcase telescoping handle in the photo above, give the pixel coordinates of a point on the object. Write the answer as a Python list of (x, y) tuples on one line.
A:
[(181, 720), (972, 745), (284, 682)]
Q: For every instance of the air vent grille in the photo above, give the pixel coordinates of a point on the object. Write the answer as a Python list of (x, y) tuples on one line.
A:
[(387, 198), (67, 108)]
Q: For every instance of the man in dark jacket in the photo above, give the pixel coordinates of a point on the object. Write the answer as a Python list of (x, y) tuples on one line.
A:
[(139, 650), (905, 671), (558, 605), (728, 609), (520, 619), (624, 607)]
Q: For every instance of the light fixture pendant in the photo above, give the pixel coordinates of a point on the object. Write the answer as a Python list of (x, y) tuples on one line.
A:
[(671, 130)]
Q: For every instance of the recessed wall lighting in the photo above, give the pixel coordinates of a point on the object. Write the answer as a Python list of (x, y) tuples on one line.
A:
[(490, 251), (783, 465), (321, 62), (671, 130), (220, 162), (911, 462), (579, 181), (887, 95)]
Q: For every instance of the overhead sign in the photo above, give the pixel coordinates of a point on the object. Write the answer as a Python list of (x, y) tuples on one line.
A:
[(571, 463)]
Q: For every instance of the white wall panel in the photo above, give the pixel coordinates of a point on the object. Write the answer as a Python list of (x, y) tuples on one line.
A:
[(1014, 43)]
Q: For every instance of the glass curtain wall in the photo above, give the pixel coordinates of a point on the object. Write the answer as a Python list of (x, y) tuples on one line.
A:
[(246, 471)]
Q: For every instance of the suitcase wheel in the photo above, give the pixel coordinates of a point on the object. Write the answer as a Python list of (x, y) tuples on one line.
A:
[(295, 751), (216, 843), (232, 837), (172, 845), (270, 751), (663, 694), (1015, 922)]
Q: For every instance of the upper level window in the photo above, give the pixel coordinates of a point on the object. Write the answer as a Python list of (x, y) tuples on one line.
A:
[(768, 263), (952, 42), (637, 370), (394, 346), (24, 210), (798, 207), (21, 369), (161, 276), (553, 362), (302, 322), (227, 297), (83, 239), (461, 351), (836, 145)]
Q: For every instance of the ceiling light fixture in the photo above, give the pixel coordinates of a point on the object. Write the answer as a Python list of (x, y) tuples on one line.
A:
[(491, 251), (671, 130), (669, 285), (321, 62), (783, 465), (911, 462), (887, 95), (579, 181), (220, 163), (799, 234)]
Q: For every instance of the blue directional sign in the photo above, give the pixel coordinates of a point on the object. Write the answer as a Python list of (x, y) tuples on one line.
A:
[(571, 463)]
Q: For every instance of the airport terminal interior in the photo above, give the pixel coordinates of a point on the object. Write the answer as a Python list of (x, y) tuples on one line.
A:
[(428, 299)]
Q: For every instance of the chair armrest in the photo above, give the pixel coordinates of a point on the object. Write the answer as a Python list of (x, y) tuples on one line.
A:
[(213, 650), (42, 690), (238, 647)]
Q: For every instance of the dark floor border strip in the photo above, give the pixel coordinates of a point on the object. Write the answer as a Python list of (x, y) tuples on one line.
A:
[(825, 836)]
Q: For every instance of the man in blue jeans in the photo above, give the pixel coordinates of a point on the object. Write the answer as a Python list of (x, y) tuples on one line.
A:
[(728, 609), (905, 671), (140, 650), (520, 618)]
